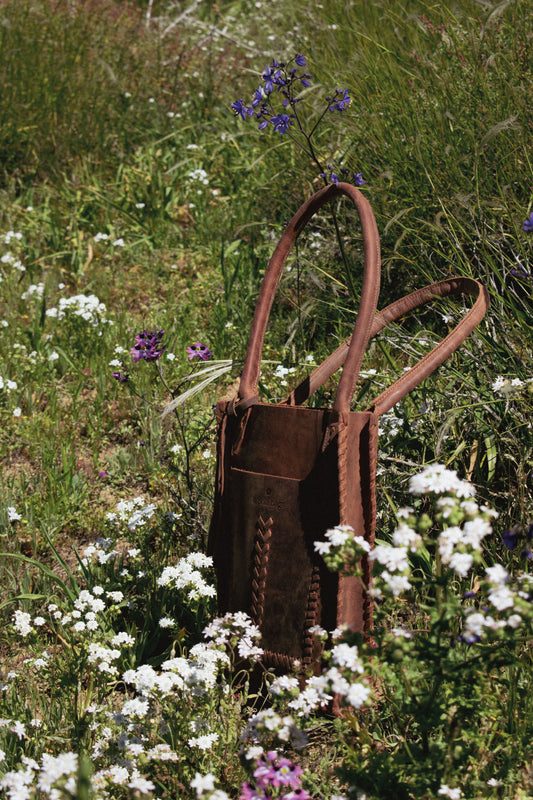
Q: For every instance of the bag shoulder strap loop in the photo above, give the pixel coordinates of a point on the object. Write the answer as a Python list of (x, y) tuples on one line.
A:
[(369, 296), (391, 313)]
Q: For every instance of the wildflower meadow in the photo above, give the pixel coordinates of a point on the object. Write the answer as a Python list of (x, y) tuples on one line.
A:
[(151, 154)]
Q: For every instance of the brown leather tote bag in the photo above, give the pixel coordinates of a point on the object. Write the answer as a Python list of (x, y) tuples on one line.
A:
[(286, 474)]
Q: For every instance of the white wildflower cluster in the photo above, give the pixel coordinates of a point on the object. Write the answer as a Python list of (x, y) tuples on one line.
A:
[(198, 176), (342, 550), (81, 306), (12, 514), (133, 513), (14, 726), (447, 791), (194, 675), (7, 385), (507, 607), (122, 775), (465, 525), (281, 373), (235, 632), (436, 479), (510, 387), (57, 775), (9, 259), (22, 623), (269, 726), (204, 786), (186, 576), (99, 551), (203, 742), (34, 290), (342, 678), (390, 424)]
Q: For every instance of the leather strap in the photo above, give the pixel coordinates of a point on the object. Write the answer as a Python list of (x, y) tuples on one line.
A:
[(355, 351), (391, 313)]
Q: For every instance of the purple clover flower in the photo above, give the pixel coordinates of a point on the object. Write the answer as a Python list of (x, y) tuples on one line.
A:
[(199, 350), (147, 346), (120, 376), (528, 224)]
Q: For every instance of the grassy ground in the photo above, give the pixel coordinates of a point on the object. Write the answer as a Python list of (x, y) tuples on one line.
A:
[(125, 176)]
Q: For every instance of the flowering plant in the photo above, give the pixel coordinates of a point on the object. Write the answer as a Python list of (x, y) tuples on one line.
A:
[(276, 102), (450, 633)]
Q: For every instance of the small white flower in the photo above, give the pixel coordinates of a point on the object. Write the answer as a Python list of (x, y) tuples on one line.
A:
[(17, 411), (166, 622), (357, 695), (453, 794), (204, 742), (461, 563), (497, 574), (53, 356), (202, 784), (12, 514), (119, 243)]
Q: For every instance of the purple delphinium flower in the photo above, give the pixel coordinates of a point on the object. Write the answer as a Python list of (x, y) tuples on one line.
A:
[(281, 123), (333, 177), (241, 110), (340, 100), (300, 60), (119, 376), (199, 350), (528, 224), (147, 346)]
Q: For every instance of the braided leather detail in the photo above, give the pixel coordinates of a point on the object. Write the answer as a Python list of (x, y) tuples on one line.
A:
[(277, 660), (311, 616), (370, 500), (342, 460), (259, 567)]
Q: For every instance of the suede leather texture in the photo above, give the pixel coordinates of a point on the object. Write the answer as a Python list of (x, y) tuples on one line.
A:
[(284, 475)]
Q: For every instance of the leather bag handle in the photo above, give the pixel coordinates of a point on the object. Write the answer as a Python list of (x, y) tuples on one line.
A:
[(387, 399), (353, 358)]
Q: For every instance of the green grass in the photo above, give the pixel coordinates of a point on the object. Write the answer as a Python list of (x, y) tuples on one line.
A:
[(109, 122)]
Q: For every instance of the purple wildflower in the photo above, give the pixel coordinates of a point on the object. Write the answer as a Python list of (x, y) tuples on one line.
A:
[(250, 793), (281, 123), (147, 346), (241, 110), (528, 224), (358, 179), (199, 350), (340, 101), (300, 60), (510, 539), (119, 376)]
